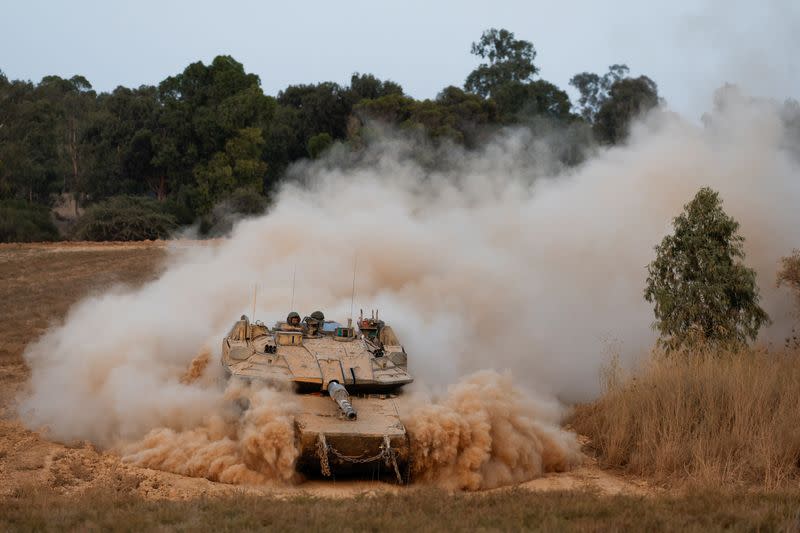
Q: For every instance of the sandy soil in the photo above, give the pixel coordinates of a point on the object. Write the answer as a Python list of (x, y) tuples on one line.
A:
[(38, 284)]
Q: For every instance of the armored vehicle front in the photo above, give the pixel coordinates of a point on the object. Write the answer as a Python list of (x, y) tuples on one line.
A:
[(346, 378)]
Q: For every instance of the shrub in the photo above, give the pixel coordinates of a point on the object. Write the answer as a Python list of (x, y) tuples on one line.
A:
[(24, 222), (125, 218)]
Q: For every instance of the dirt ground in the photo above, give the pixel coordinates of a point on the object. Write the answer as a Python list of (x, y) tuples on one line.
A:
[(38, 284)]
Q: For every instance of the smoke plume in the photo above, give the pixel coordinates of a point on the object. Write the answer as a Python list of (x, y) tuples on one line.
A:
[(485, 259)]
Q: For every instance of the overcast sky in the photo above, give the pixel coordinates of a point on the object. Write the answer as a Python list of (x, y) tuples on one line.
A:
[(689, 47)]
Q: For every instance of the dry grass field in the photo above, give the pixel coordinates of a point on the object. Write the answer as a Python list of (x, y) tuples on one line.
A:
[(704, 418), (709, 445)]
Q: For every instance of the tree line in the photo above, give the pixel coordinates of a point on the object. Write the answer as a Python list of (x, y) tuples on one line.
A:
[(210, 133)]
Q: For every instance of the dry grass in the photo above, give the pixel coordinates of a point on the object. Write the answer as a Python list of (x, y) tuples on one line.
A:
[(38, 284), (414, 510), (706, 418)]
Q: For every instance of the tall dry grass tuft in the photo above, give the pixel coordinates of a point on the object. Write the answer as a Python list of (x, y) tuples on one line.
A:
[(701, 417)]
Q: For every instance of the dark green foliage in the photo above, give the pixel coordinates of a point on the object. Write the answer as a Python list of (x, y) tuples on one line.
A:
[(612, 101), (246, 202), (123, 133), (368, 86), (239, 165), (321, 108), (318, 144), (21, 221), (240, 203), (538, 98), (454, 114), (203, 110), (594, 89), (125, 218), (510, 60), (702, 291), (197, 136), (392, 109), (627, 99)]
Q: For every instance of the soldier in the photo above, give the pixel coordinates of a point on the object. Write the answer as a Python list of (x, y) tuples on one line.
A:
[(292, 322), (314, 322)]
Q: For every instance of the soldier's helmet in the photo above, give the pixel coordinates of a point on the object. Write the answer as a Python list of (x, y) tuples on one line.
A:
[(318, 316), (293, 319)]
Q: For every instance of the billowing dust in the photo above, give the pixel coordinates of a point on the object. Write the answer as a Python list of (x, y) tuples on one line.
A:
[(483, 433), (254, 444), (486, 433), (197, 368), (489, 259)]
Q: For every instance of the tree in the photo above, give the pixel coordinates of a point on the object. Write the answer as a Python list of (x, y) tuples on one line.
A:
[(594, 89), (540, 97), (239, 166), (701, 289), (318, 144), (322, 108), (121, 138), (510, 60), (30, 166), (627, 99), (73, 100), (364, 86), (454, 115), (392, 109)]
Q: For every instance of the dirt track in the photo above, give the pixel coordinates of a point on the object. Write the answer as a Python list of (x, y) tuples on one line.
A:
[(38, 284)]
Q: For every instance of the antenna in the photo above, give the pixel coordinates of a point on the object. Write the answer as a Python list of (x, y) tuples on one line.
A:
[(255, 291), (353, 294), (294, 278)]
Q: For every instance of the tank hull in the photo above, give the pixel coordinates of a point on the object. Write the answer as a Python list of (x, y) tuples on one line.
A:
[(375, 444)]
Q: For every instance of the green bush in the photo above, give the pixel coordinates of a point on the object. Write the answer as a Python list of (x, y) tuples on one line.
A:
[(125, 218), (24, 222)]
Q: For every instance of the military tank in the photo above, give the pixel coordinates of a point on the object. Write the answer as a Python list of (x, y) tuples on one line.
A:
[(346, 377)]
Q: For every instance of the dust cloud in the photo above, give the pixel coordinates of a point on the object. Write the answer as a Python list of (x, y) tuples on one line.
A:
[(488, 259), (487, 433), (255, 446)]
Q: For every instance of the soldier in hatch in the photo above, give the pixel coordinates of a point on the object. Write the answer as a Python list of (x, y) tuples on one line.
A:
[(314, 322), (292, 322)]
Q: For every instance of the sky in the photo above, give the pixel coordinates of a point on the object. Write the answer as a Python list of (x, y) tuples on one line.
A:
[(689, 47)]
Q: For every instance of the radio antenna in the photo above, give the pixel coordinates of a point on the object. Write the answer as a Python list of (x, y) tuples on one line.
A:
[(255, 292), (294, 278), (353, 294)]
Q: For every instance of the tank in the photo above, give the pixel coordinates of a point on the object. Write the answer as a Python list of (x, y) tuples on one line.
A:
[(347, 378)]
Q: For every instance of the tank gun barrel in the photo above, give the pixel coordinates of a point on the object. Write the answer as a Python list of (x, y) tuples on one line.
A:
[(339, 395)]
